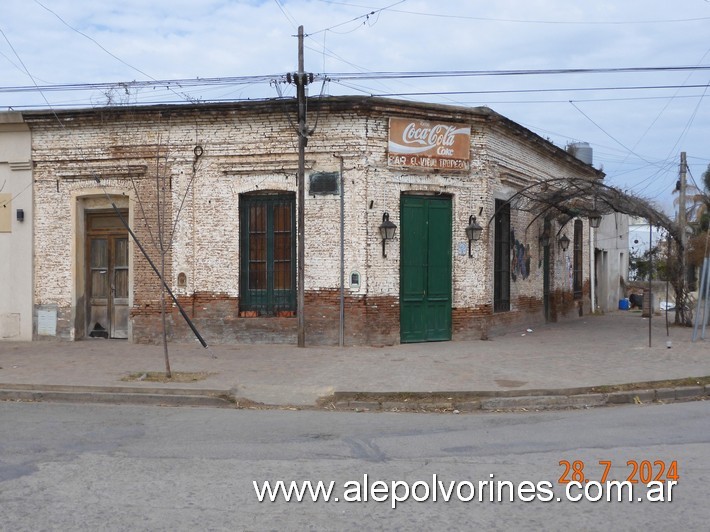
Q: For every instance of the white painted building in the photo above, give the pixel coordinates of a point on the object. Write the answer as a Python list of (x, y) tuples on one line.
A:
[(611, 261), (15, 228)]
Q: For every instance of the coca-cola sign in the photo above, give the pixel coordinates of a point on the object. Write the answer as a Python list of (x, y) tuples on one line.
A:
[(433, 145)]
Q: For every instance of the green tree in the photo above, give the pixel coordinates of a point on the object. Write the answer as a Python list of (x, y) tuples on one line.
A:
[(697, 203), (643, 264)]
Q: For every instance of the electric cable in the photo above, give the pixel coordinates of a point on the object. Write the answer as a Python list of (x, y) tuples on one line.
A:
[(533, 21)]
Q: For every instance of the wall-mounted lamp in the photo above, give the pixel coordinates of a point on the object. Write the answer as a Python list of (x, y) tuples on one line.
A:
[(563, 242), (473, 232), (387, 231), (20, 215), (595, 219)]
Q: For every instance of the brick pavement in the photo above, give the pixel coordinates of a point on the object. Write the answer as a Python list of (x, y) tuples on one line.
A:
[(590, 351)]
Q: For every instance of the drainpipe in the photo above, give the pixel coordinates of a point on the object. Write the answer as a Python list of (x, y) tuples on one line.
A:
[(342, 254), (592, 273)]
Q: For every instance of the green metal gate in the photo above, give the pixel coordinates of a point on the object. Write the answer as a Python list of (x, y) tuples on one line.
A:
[(425, 275)]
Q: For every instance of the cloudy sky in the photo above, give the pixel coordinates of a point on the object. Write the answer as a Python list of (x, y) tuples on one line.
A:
[(637, 122)]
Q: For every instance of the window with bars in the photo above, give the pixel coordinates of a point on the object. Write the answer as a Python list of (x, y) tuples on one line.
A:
[(577, 259), (501, 258), (268, 253)]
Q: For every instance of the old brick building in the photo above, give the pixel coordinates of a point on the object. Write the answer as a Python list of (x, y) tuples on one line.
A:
[(220, 180)]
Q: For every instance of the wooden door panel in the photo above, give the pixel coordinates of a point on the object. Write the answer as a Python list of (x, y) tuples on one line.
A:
[(119, 288), (413, 270), (107, 278), (268, 251), (439, 272), (99, 287), (425, 269)]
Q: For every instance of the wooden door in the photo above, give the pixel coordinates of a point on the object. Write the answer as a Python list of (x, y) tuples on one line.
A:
[(425, 271), (107, 277), (268, 251)]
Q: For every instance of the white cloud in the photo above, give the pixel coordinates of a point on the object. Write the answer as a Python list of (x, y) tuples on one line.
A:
[(169, 39)]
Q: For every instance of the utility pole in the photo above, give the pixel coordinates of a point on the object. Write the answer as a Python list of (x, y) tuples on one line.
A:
[(301, 82), (682, 222)]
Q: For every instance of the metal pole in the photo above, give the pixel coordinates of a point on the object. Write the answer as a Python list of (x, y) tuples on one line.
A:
[(704, 278), (162, 280), (650, 276), (668, 331), (301, 95), (592, 272), (342, 255), (706, 307)]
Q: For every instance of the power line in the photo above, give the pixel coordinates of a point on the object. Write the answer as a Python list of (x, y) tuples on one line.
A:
[(365, 18), (525, 91), (533, 21), (102, 47), (579, 100), (286, 13), (521, 72), (169, 84)]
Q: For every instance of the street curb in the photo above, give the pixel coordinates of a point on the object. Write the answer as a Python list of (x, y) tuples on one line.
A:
[(116, 395), (513, 400), (453, 402)]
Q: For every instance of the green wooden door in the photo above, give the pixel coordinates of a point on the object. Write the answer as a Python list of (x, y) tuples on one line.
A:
[(425, 275)]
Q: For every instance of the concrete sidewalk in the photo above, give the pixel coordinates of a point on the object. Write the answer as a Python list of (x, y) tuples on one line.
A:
[(557, 360)]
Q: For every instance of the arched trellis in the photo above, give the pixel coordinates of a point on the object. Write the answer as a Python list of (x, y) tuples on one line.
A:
[(566, 198)]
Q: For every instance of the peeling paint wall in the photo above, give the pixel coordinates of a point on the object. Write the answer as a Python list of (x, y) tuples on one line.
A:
[(209, 156)]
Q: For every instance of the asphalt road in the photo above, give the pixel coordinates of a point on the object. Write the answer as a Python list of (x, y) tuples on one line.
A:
[(101, 467)]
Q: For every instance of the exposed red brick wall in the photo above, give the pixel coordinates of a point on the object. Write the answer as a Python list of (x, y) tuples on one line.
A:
[(217, 319), (563, 305), (368, 321), (481, 322), (382, 320)]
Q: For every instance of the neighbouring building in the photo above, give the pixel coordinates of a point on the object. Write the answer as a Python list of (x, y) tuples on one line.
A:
[(643, 237), (611, 258), (210, 192), (15, 229)]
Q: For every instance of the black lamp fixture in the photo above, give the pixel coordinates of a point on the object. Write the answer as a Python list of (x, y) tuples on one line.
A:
[(563, 242), (387, 231), (595, 219), (473, 232), (20, 215)]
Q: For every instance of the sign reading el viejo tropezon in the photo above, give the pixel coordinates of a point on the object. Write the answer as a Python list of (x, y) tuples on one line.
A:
[(430, 145)]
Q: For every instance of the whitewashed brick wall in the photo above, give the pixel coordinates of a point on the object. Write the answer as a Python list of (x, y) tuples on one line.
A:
[(256, 150)]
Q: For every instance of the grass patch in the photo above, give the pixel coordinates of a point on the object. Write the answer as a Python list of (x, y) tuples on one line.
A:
[(159, 376)]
